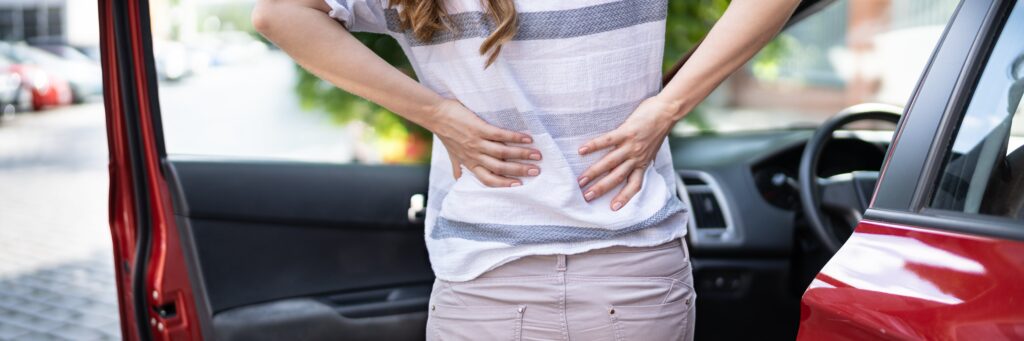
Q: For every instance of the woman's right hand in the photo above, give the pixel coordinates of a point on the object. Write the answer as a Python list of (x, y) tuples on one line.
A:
[(484, 149)]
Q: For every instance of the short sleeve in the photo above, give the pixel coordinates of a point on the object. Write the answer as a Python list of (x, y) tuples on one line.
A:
[(359, 15)]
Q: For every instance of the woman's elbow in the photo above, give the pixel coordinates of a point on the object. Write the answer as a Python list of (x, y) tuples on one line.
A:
[(262, 16)]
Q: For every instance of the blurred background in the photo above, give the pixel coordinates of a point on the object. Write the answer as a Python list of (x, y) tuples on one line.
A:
[(226, 92)]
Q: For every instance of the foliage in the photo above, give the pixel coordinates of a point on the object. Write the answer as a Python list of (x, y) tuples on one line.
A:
[(234, 16), (398, 140), (688, 22)]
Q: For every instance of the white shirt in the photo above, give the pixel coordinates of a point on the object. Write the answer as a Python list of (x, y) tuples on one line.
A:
[(576, 69)]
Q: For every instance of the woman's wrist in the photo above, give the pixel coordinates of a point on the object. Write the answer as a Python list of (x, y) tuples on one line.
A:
[(432, 115), (675, 108)]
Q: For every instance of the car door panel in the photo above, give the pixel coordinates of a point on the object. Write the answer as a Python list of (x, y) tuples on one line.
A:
[(916, 283), (335, 195), (288, 248), (313, 320)]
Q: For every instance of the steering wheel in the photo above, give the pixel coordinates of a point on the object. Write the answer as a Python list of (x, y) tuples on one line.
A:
[(847, 194)]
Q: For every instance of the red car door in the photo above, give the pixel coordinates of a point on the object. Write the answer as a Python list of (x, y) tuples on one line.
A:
[(940, 253), (229, 248)]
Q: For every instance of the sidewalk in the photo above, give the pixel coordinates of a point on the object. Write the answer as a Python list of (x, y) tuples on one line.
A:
[(56, 271)]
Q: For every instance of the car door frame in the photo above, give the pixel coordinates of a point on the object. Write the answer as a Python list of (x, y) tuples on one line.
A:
[(914, 160), (907, 181), (155, 297)]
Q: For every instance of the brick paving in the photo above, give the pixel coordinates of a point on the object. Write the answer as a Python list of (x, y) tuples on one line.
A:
[(56, 271)]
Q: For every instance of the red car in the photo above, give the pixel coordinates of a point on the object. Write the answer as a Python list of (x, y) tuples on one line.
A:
[(939, 253), (815, 233), (48, 89)]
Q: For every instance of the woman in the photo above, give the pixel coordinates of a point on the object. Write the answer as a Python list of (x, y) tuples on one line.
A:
[(553, 211)]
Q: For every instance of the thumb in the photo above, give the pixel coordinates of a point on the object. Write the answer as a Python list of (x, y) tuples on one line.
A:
[(456, 166)]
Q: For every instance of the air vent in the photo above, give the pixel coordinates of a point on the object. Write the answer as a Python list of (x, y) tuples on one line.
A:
[(692, 181), (706, 210), (710, 215)]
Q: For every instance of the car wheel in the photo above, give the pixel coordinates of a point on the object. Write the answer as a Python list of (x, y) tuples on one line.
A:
[(7, 111), (77, 97), (24, 100)]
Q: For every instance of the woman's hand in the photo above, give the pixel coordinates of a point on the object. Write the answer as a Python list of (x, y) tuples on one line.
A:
[(484, 149), (634, 145)]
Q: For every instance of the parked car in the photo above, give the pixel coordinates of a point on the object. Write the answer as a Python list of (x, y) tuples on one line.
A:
[(917, 232), (83, 75), (60, 46), (176, 61), (43, 89), (15, 95)]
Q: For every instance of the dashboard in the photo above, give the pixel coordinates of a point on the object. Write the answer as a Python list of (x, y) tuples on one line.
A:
[(742, 186)]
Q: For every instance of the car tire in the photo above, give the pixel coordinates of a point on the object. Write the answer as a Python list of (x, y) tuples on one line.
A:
[(7, 111), (24, 101), (77, 97)]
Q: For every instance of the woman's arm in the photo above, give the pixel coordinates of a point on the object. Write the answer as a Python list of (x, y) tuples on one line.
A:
[(320, 44), (743, 30)]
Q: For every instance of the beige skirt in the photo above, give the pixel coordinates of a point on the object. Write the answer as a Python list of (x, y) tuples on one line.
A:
[(616, 293)]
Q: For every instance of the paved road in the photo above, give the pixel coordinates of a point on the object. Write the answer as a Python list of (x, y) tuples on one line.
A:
[(56, 272)]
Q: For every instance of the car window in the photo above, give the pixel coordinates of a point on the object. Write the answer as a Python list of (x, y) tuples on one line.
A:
[(983, 169), (852, 52), (226, 92)]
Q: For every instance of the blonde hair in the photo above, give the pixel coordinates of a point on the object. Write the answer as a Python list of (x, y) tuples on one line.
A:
[(426, 17)]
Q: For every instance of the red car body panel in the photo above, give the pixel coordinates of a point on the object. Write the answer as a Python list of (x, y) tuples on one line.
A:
[(56, 91), (167, 278), (898, 282)]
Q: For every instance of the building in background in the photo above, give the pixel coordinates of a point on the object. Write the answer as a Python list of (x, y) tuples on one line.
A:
[(73, 21)]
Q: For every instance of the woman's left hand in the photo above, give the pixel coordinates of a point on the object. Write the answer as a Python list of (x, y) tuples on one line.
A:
[(634, 145)]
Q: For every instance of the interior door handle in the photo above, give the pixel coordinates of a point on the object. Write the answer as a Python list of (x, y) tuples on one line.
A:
[(417, 208)]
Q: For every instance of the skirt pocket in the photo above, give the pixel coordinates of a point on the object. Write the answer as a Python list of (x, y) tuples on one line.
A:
[(457, 323)]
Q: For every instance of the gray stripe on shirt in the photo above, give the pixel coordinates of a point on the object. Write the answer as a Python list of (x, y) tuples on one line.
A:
[(540, 234), (545, 25), (561, 125)]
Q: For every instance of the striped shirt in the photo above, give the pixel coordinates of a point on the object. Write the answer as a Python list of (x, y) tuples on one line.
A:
[(575, 70)]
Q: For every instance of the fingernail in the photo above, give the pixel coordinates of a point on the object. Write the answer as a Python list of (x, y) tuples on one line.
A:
[(589, 195), (584, 150), (516, 184), (616, 206), (534, 156), (533, 172), (527, 140), (583, 181)]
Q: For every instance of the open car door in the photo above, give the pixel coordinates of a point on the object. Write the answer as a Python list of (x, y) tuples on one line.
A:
[(246, 250), (939, 255)]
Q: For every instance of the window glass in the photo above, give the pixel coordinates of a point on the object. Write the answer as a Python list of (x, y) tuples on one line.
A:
[(983, 171), (852, 52), (227, 92)]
